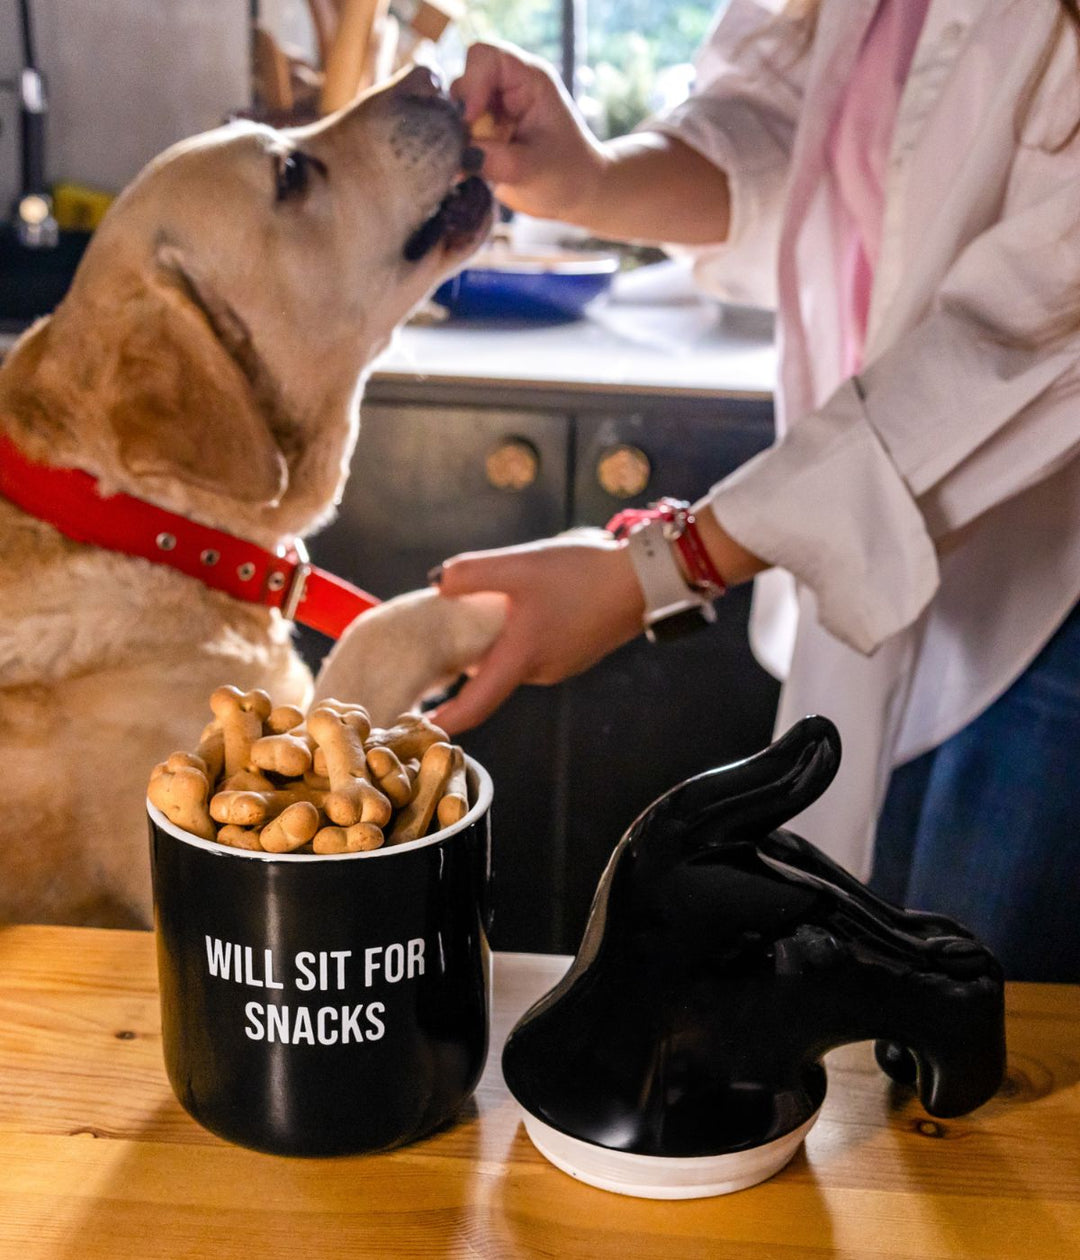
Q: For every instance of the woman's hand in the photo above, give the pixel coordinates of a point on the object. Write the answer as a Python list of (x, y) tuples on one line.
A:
[(571, 601), (544, 161)]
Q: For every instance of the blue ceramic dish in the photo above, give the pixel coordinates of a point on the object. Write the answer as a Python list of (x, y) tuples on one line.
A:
[(533, 286)]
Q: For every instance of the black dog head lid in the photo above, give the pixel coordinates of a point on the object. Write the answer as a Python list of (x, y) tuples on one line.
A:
[(724, 956)]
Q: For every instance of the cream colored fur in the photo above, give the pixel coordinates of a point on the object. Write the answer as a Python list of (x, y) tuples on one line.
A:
[(210, 357), (404, 648)]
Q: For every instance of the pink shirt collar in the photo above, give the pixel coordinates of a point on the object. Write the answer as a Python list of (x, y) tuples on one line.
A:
[(858, 155)]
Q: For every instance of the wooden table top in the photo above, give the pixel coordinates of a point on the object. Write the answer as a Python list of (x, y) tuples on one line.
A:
[(97, 1159)]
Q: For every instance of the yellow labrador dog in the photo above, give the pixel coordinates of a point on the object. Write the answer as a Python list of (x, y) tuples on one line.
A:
[(209, 358)]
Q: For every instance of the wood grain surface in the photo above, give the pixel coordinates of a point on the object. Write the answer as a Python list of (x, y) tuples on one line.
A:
[(98, 1160)]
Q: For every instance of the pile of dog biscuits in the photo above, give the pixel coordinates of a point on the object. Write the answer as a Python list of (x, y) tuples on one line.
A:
[(265, 778)]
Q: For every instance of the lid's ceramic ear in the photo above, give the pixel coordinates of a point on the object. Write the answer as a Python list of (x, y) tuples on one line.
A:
[(723, 957)]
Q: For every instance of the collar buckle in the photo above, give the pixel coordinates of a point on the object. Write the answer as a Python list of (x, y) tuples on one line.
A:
[(294, 596)]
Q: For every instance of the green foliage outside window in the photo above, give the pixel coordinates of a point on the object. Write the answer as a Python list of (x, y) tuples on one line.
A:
[(637, 56), (535, 25)]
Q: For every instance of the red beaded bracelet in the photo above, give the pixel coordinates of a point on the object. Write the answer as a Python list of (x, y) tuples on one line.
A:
[(681, 529)]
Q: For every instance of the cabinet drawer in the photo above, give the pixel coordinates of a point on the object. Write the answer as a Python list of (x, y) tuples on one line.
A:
[(419, 490), (674, 452)]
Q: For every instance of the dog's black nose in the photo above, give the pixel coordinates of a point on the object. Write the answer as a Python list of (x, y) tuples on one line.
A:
[(419, 81)]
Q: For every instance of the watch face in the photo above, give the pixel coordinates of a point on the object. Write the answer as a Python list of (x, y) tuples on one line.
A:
[(693, 617)]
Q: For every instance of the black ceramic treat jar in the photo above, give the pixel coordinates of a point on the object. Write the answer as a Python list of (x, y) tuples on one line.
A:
[(325, 1005)]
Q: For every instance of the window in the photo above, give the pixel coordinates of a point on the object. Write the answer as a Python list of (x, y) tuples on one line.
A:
[(625, 59)]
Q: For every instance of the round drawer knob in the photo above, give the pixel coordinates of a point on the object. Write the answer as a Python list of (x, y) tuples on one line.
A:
[(512, 465), (624, 471)]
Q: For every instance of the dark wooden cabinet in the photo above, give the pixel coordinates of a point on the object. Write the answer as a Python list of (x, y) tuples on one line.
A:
[(573, 764)]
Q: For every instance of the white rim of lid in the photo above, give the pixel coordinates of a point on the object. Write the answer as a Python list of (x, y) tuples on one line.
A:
[(664, 1177)]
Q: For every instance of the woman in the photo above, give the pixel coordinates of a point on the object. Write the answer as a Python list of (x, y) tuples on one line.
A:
[(902, 179)]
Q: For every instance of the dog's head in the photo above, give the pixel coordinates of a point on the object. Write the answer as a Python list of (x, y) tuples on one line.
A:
[(216, 335)]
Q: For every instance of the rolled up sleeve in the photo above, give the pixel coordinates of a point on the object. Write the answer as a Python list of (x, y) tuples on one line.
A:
[(741, 117), (977, 402), (828, 504)]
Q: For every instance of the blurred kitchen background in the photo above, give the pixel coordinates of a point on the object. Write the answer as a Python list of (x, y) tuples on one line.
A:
[(125, 78), (557, 380)]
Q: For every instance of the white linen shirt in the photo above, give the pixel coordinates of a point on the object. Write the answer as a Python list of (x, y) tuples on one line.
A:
[(924, 517)]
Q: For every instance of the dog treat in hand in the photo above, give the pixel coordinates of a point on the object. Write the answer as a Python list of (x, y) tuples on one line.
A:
[(264, 778), (486, 128)]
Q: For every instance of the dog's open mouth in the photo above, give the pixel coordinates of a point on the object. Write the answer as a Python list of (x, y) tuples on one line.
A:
[(461, 214)]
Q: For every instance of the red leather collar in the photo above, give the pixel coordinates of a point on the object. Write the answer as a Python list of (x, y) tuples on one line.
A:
[(70, 501)]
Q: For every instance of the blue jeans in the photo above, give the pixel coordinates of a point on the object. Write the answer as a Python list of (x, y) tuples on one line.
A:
[(986, 828)]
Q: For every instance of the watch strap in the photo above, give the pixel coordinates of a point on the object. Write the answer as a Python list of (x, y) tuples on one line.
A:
[(681, 527), (670, 604)]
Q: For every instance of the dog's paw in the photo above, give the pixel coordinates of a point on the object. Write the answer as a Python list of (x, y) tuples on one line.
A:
[(398, 652)]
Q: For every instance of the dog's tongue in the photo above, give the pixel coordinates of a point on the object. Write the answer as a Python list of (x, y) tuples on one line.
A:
[(460, 214)]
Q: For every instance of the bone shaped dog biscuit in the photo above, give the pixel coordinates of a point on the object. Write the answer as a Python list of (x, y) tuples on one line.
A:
[(241, 715), (291, 829), (288, 753), (282, 718), (252, 809), (435, 769), (359, 838), (411, 736), (352, 797), (390, 776), (179, 789), (211, 750), (239, 837), (454, 804)]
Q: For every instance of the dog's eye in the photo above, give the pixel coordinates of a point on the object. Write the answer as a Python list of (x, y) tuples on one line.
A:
[(293, 173)]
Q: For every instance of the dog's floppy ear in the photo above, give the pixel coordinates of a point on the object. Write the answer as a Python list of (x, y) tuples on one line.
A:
[(21, 397), (186, 404)]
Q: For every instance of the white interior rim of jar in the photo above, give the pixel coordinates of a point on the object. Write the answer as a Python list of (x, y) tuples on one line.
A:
[(479, 787)]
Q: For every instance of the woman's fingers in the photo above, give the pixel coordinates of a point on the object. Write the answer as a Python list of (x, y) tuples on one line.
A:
[(538, 152), (572, 599), (493, 81), (498, 675)]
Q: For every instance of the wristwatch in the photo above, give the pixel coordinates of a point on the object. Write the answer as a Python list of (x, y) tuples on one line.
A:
[(678, 598), (673, 608)]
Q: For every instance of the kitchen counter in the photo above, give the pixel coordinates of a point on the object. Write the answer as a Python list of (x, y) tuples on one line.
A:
[(684, 350), (98, 1160), (687, 349)]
